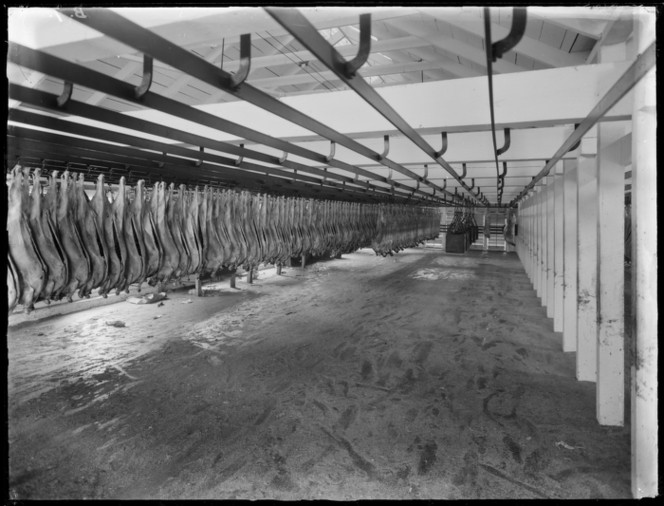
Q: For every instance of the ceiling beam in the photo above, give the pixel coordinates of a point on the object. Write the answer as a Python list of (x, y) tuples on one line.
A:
[(527, 46), (454, 46)]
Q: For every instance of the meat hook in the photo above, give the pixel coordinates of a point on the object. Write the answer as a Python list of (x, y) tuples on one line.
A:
[(236, 79), (146, 81)]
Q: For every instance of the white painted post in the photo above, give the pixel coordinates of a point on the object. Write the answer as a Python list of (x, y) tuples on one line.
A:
[(570, 299), (558, 259), (550, 247), (644, 270), (544, 242), (540, 242), (536, 239), (586, 343), (611, 289)]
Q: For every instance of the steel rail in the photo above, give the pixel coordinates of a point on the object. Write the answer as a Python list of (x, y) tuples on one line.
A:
[(46, 151), (138, 158), (70, 72), (298, 26), (47, 100), (639, 68), (122, 29), (231, 167)]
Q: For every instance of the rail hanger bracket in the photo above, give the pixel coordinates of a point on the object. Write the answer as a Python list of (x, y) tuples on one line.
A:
[(146, 80), (236, 79), (64, 97), (350, 68)]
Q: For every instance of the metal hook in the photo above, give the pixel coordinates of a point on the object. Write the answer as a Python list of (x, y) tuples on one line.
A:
[(386, 147), (463, 166), (507, 143), (576, 146), (472, 185), (498, 49), (240, 157), (146, 82), (443, 149), (444, 183), (198, 163), (350, 68), (294, 174), (501, 176), (333, 146), (283, 157), (64, 97), (426, 171), (235, 80), (324, 174), (478, 192)]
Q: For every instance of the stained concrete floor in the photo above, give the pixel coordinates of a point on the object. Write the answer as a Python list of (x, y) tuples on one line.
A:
[(420, 376)]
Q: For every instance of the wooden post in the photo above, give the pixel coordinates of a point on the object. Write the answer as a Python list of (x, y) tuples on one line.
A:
[(199, 287), (558, 248), (550, 246), (543, 247), (537, 225), (278, 269), (644, 270), (570, 300), (250, 275), (586, 344), (611, 248), (304, 260), (233, 279)]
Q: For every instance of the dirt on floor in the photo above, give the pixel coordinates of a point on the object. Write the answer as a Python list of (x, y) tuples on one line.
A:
[(420, 376)]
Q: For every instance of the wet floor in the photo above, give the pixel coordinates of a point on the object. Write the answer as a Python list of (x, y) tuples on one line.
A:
[(423, 375)]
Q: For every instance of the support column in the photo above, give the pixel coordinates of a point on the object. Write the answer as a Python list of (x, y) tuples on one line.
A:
[(570, 300), (611, 286), (644, 270), (558, 250), (278, 269), (586, 344), (233, 279), (538, 241), (550, 247), (485, 224), (543, 241)]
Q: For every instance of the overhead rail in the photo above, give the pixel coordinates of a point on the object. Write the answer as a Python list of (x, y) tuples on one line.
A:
[(227, 169), (639, 68), (228, 166), (48, 144), (70, 72), (136, 168), (45, 100), (493, 52), (300, 28), (122, 29)]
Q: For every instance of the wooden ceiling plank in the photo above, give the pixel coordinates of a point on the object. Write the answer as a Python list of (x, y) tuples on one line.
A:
[(532, 48)]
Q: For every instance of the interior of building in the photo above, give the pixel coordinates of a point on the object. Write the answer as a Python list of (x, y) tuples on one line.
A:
[(332, 253)]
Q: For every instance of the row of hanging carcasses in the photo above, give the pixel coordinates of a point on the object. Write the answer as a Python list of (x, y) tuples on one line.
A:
[(61, 241)]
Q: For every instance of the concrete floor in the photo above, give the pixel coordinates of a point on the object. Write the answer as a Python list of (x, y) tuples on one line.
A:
[(420, 376)]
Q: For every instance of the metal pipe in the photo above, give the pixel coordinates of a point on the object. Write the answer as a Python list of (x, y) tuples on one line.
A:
[(298, 26), (141, 39), (519, 17), (67, 71)]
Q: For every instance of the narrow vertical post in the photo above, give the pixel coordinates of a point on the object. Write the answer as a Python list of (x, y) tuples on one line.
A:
[(570, 300), (233, 279), (543, 241), (199, 287), (611, 290), (304, 260), (550, 247), (486, 230), (278, 269), (644, 270), (586, 344), (536, 239), (250, 275), (558, 248)]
